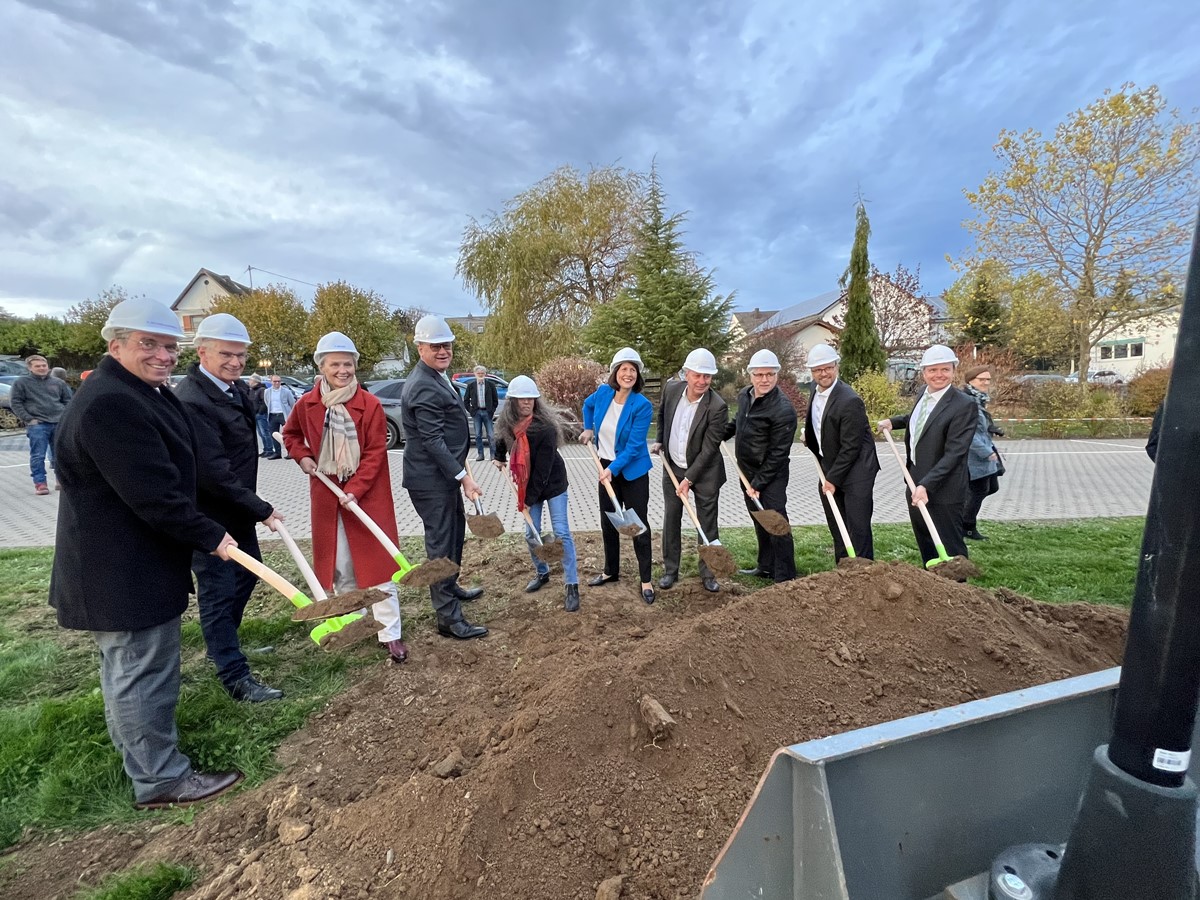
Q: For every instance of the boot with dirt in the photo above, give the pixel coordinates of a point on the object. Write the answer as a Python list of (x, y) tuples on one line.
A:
[(571, 604)]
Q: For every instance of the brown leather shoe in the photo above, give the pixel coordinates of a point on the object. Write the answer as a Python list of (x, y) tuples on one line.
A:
[(195, 788)]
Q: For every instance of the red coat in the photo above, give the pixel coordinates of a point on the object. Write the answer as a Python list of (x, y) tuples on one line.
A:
[(371, 485)]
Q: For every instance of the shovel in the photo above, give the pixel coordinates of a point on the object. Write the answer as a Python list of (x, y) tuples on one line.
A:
[(716, 557), (771, 520), (322, 607), (429, 572), (962, 567), (549, 550), (339, 631), (837, 513), (486, 525), (626, 521)]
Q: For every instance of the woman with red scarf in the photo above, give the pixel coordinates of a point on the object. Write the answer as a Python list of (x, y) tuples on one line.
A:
[(527, 433)]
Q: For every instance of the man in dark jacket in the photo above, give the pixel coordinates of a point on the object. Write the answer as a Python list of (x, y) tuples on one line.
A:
[(219, 405), (435, 426), (838, 433), (482, 401), (765, 427), (127, 526), (937, 438), (258, 402), (692, 419), (38, 400)]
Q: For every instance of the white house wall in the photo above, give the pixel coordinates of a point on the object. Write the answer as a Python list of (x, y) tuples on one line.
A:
[(1119, 352)]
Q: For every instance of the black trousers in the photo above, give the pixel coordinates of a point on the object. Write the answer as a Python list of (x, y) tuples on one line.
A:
[(947, 519), (856, 503), (705, 504), (222, 590), (776, 553), (979, 489), (445, 523), (275, 421), (633, 494)]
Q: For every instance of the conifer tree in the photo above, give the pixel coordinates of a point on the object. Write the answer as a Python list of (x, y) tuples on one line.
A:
[(859, 347)]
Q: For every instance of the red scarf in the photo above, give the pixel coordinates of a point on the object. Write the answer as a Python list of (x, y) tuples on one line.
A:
[(518, 462)]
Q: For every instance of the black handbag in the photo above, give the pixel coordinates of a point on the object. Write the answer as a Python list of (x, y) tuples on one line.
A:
[(999, 461)]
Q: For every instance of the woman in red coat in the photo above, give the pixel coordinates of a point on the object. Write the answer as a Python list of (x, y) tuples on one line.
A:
[(339, 428)]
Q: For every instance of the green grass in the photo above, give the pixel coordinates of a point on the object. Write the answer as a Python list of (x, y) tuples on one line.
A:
[(157, 882)]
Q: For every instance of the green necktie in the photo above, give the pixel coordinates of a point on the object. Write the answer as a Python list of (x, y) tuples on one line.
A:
[(922, 414)]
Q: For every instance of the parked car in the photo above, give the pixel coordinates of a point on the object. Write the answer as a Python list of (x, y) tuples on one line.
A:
[(8, 419), (388, 392), (468, 378), (1036, 378), (1105, 376), (298, 385)]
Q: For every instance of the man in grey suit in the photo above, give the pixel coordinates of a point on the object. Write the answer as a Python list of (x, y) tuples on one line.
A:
[(435, 426), (692, 419), (838, 433), (937, 437)]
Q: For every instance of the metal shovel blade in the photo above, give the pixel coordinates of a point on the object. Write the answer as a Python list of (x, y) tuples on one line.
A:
[(351, 633), (342, 604), (626, 522), (718, 559), (486, 525), (549, 550), (429, 572), (772, 521)]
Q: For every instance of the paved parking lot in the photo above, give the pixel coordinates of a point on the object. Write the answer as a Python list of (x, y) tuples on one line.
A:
[(1065, 479)]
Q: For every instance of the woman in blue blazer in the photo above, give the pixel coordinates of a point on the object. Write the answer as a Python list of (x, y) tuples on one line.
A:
[(616, 419)]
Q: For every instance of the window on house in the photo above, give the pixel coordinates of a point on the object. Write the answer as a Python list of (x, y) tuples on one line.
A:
[(1106, 352), (1135, 349), (1121, 351)]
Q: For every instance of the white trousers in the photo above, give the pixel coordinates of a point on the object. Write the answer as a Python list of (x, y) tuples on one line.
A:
[(385, 611)]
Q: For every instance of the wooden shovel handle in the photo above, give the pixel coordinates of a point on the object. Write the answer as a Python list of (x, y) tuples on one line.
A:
[(833, 508), (306, 570), (607, 485), (362, 516), (738, 469), (933, 533), (270, 576), (687, 502)]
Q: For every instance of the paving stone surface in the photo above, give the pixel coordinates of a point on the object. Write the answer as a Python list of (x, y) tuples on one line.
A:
[(1064, 479)]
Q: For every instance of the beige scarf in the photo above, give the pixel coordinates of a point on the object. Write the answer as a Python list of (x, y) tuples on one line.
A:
[(340, 452)]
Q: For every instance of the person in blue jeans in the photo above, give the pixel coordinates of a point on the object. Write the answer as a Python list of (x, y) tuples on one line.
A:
[(482, 400), (38, 400), (529, 431)]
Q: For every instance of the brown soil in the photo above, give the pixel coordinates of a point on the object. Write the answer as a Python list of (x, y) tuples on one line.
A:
[(520, 766)]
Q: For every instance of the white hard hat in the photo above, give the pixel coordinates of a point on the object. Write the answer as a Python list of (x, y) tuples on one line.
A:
[(763, 359), (625, 355), (701, 361), (523, 388), (822, 355), (223, 327), (142, 314), (937, 354), (334, 342), (433, 330)]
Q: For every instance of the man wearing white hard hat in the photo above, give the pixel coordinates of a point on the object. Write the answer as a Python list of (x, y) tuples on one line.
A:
[(837, 431), (937, 438), (435, 459), (222, 413), (128, 524), (765, 428), (692, 419)]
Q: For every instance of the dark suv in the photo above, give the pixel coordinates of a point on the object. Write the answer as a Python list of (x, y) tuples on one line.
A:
[(388, 393)]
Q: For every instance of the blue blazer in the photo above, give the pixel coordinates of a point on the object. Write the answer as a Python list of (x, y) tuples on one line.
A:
[(633, 456)]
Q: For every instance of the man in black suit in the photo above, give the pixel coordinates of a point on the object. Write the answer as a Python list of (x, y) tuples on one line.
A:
[(692, 419), (435, 426), (482, 401), (837, 431), (937, 438), (221, 409), (127, 526)]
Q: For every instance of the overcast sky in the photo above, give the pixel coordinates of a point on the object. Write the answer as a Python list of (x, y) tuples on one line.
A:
[(353, 139)]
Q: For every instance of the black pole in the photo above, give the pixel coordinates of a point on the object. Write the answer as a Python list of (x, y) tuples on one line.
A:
[(1160, 677)]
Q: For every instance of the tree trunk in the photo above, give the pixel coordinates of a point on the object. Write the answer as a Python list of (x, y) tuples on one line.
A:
[(1085, 357)]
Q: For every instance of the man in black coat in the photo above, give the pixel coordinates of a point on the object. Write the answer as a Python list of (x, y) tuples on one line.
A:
[(222, 413), (127, 527), (837, 431), (937, 439), (482, 401), (692, 419), (766, 428), (435, 427)]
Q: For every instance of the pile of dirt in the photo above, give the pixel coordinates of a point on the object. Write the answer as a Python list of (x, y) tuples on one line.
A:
[(522, 766)]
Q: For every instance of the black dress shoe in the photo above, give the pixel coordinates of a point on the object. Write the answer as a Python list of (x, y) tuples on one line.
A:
[(251, 690), (479, 458), (974, 535), (536, 583), (195, 788), (272, 456), (466, 595), (571, 603), (756, 572), (667, 580), (602, 579), (710, 584), (648, 595), (462, 629)]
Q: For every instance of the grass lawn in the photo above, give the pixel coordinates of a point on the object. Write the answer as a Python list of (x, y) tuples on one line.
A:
[(58, 768)]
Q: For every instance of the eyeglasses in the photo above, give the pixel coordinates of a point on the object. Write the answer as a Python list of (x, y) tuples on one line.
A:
[(227, 356), (152, 346), (438, 347)]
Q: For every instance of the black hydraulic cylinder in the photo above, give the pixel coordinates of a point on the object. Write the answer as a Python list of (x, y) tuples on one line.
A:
[(1160, 678)]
